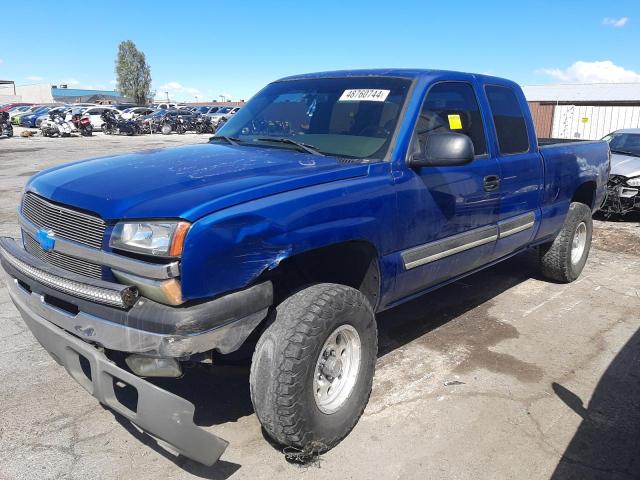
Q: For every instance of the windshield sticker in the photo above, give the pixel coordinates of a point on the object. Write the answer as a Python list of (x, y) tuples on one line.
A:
[(455, 123), (364, 95)]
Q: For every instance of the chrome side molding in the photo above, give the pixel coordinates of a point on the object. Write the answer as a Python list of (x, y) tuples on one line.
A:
[(433, 251), (430, 252), (517, 224)]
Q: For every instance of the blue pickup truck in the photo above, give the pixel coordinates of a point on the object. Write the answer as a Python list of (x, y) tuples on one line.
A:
[(328, 198)]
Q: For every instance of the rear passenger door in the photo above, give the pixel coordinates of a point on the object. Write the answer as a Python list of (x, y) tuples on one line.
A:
[(521, 168)]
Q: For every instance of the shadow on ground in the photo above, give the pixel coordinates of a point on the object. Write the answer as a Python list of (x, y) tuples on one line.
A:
[(607, 443), (220, 470)]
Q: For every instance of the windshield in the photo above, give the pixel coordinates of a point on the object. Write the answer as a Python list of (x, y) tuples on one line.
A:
[(628, 143), (348, 117)]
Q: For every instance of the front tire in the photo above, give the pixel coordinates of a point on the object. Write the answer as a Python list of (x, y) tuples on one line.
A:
[(564, 259), (323, 337)]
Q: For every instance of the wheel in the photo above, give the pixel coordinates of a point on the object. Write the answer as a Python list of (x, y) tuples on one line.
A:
[(312, 369), (9, 131), (166, 129), (105, 129), (563, 259)]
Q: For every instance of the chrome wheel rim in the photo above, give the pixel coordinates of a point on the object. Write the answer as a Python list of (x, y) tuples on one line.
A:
[(337, 369), (579, 243)]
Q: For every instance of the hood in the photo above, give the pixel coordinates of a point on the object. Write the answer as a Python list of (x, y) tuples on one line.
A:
[(185, 182), (625, 165)]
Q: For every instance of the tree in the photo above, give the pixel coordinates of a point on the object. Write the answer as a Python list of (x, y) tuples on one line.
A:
[(133, 73)]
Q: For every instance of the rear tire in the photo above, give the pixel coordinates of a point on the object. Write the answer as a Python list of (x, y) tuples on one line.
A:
[(304, 348), (563, 259), (166, 129)]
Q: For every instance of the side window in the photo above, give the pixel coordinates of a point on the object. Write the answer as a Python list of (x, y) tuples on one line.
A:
[(508, 120), (452, 107)]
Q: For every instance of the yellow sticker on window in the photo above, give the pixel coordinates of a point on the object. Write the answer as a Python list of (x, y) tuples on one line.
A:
[(455, 123)]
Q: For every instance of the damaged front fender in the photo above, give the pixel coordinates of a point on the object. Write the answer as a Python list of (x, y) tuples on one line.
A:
[(229, 249)]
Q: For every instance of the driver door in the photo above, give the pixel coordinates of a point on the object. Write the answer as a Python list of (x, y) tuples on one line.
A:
[(455, 209)]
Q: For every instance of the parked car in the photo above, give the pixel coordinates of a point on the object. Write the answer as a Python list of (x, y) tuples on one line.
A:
[(164, 106), (121, 107), (623, 194), (204, 110), (30, 119), (8, 106), (95, 115), (373, 187), (134, 112), (18, 110), (15, 119), (223, 112)]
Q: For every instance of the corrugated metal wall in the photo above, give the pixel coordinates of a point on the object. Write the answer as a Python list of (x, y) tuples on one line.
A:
[(592, 122), (542, 114)]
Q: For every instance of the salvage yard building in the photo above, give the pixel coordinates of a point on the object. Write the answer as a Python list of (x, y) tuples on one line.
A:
[(587, 111)]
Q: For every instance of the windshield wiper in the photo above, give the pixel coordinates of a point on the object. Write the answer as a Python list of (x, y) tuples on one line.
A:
[(625, 152), (305, 147), (231, 140)]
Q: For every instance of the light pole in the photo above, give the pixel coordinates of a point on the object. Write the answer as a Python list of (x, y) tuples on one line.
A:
[(167, 94)]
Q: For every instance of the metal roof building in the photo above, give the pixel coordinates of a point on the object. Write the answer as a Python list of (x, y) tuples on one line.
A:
[(616, 93), (583, 111), (47, 93)]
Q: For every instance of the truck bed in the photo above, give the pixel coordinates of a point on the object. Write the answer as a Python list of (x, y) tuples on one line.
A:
[(567, 165)]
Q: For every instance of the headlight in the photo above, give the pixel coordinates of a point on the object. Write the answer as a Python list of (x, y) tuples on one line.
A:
[(164, 239), (634, 182)]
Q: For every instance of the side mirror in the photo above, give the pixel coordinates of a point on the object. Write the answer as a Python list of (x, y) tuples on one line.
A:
[(444, 149)]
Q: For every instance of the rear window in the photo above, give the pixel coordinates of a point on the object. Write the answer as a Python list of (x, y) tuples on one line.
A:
[(508, 119)]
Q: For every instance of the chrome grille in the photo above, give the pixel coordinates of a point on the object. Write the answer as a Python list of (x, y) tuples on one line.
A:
[(75, 265), (64, 222)]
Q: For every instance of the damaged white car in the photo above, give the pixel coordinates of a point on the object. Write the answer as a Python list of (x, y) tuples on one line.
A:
[(623, 192)]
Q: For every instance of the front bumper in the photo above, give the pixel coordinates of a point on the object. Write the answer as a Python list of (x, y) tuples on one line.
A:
[(146, 327), (71, 336), (620, 198), (161, 414)]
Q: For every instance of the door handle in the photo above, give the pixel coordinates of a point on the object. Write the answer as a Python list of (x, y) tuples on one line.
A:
[(491, 183)]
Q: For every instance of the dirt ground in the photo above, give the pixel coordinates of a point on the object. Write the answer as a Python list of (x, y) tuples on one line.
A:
[(499, 376)]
